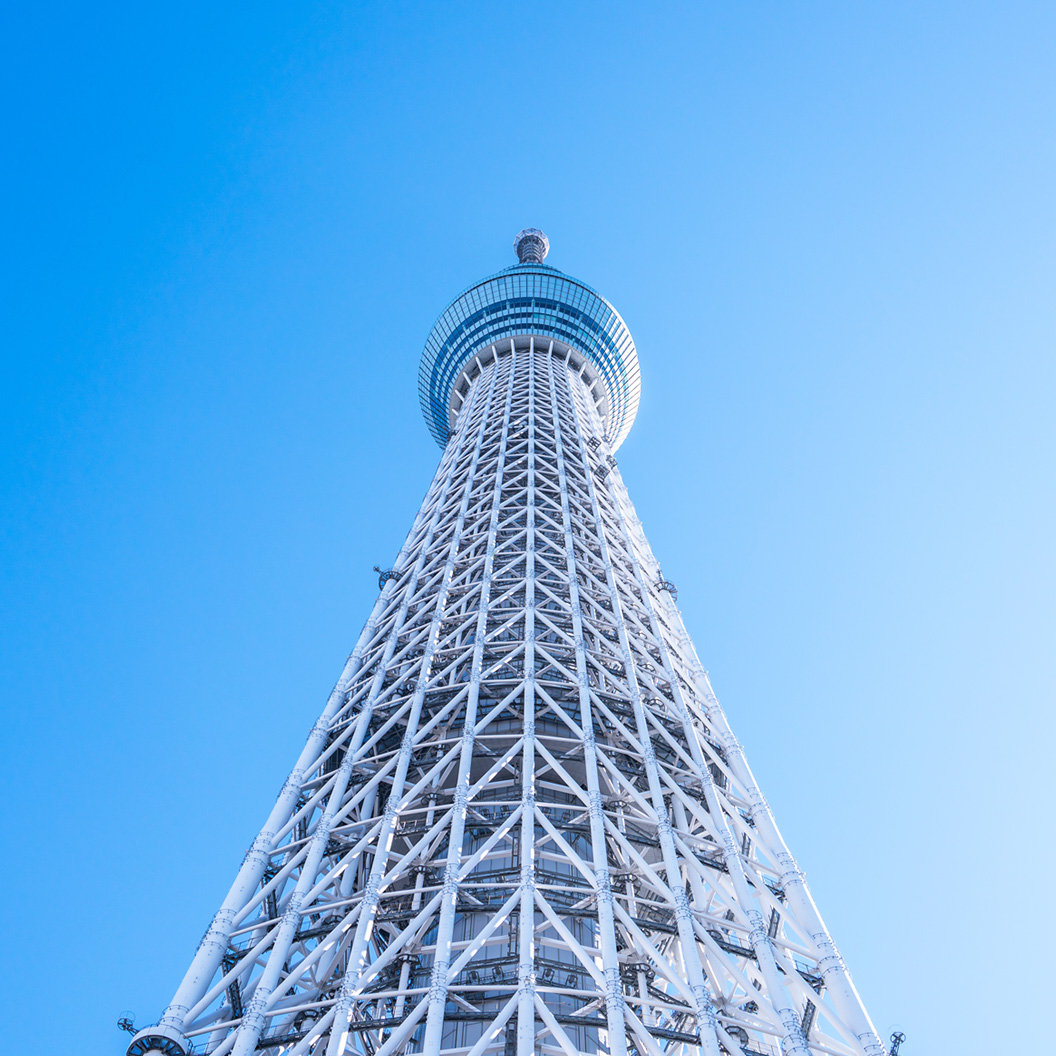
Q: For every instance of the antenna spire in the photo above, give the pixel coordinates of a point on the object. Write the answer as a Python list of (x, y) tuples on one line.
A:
[(531, 245)]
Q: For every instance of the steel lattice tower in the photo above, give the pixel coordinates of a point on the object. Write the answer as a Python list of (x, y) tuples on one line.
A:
[(522, 824)]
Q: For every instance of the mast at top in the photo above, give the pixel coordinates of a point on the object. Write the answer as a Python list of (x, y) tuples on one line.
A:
[(531, 245)]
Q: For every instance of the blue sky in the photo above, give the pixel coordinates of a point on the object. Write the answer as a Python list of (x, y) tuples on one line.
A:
[(831, 229)]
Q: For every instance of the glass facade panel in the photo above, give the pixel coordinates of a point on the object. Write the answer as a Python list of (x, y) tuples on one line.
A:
[(540, 301)]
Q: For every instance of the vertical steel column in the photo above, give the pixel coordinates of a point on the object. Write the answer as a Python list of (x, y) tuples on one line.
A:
[(705, 1011), (211, 950), (526, 931), (834, 971), (794, 1041), (372, 889), (615, 1004), (438, 988), (848, 1003)]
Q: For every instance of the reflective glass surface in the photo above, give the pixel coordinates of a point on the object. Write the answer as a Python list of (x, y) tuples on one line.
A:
[(530, 299)]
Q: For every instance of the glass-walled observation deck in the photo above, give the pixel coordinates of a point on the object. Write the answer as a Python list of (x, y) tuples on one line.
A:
[(530, 300)]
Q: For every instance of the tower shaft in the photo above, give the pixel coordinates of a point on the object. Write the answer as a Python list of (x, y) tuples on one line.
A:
[(522, 824)]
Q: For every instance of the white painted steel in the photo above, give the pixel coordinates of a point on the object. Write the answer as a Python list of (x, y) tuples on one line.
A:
[(522, 824)]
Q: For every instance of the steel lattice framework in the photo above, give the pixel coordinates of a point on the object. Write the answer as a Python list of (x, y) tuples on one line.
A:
[(522, 823)]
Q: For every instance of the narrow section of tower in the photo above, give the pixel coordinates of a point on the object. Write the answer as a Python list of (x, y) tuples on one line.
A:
[(522, 824)]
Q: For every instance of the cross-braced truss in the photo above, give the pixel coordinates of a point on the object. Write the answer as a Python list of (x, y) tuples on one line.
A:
[(522, 824)]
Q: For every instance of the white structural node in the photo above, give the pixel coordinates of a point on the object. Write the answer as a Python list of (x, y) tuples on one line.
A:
[(522, 824)]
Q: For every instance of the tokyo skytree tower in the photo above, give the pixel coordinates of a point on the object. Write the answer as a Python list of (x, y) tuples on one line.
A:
[(522, 823)]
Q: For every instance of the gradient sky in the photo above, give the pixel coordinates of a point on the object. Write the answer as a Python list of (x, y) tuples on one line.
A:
[(831, 230)]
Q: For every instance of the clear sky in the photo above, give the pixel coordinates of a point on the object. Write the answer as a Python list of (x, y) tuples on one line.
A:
[(831, 230)]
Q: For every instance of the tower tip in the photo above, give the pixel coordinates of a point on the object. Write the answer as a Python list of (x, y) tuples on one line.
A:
[(531, 245)]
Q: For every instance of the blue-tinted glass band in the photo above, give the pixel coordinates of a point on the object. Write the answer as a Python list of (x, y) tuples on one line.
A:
[(530, 299)]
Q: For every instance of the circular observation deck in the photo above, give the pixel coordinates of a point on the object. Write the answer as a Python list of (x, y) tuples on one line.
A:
[(530, 300)]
